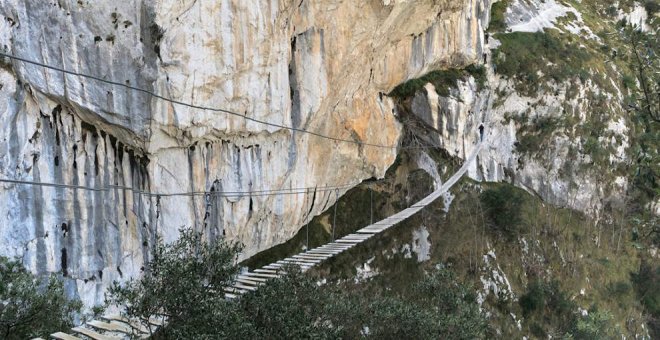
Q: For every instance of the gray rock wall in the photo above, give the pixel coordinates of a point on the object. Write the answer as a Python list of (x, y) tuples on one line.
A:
[(316, 65)]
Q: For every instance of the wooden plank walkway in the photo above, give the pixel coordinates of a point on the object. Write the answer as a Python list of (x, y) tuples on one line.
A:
[(117, 327)]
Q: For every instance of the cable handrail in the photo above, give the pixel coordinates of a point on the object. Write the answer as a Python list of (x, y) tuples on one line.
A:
[(215, 109), (216, 193)]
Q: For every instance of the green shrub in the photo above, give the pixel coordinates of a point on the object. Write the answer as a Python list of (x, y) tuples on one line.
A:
[(503, 208), (531, 136), (595, 325), (534, 299), (546, 304), (648, 291), (629, 82), (30, 306), (618, 289), (522, 55), (479, 74), (652, 7), (442, 80), (183, 280), (497, 11)]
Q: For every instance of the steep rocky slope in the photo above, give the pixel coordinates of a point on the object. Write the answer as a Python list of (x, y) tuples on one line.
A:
[(322, 66), (555, 99)]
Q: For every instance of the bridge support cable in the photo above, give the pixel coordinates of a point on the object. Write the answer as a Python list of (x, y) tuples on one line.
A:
[(334, 217), (252, 280), (371, 205)]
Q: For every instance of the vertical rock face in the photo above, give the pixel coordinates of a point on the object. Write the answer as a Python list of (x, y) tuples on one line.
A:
[(560, 168), (321, 66)]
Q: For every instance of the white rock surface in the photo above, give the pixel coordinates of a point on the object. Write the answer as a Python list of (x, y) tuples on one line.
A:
[(317, 65)]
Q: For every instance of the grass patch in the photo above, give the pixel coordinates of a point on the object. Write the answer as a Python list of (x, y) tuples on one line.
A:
[(497, 11), (534, 58), (442, 80), (503, 205), (532, 135)]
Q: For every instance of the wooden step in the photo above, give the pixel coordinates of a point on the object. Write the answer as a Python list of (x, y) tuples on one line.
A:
[(134, 324), (249, 282), (94, 335), (64, 336), (262, 275), (112, 327)]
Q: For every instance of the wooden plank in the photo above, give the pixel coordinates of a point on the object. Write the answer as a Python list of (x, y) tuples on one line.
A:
[(352, 239), (311, 257), (249, 282), (324, 252), (299, 264), (368, 231), (302, 264), (349, 241), (252, 278), (64, 336), (230, 296), (310, 254), (267, 271), (314, 261), (273, 266), (244, 287), (338, 246), (233, 290), (135, 324), (94, 335), (269, 276), (358, 235), (113, 327)]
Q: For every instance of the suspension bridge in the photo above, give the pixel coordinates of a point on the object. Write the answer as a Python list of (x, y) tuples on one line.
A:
[(117, 327)]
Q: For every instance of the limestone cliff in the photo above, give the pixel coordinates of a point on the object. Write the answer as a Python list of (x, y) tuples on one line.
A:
[(321, 66), (560, 131)]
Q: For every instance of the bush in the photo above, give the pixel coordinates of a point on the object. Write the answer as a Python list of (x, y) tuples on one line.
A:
[(503, 208), (180, 281), (30, 306), (646, 285), (479, 74), (522, 55), (497, 11), (442, 80), (184, 280), (595, 325), (652, 7), (546, 304)]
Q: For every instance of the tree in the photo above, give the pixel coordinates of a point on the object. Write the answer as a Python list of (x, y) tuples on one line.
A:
[(183, 283), (31, 306), (503, 206), (643, 101)]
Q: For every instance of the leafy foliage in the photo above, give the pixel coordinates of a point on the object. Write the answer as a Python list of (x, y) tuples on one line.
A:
[(555, 313), (503, 205), (497, 22), (30, 306), (648, 290), (644, 102), (442, 80), (596, 324), (182, 284), (532, 136), (534, 57)]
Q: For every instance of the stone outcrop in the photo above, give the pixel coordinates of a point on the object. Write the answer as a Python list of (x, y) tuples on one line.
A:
[(561, 171), (321, 66)]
